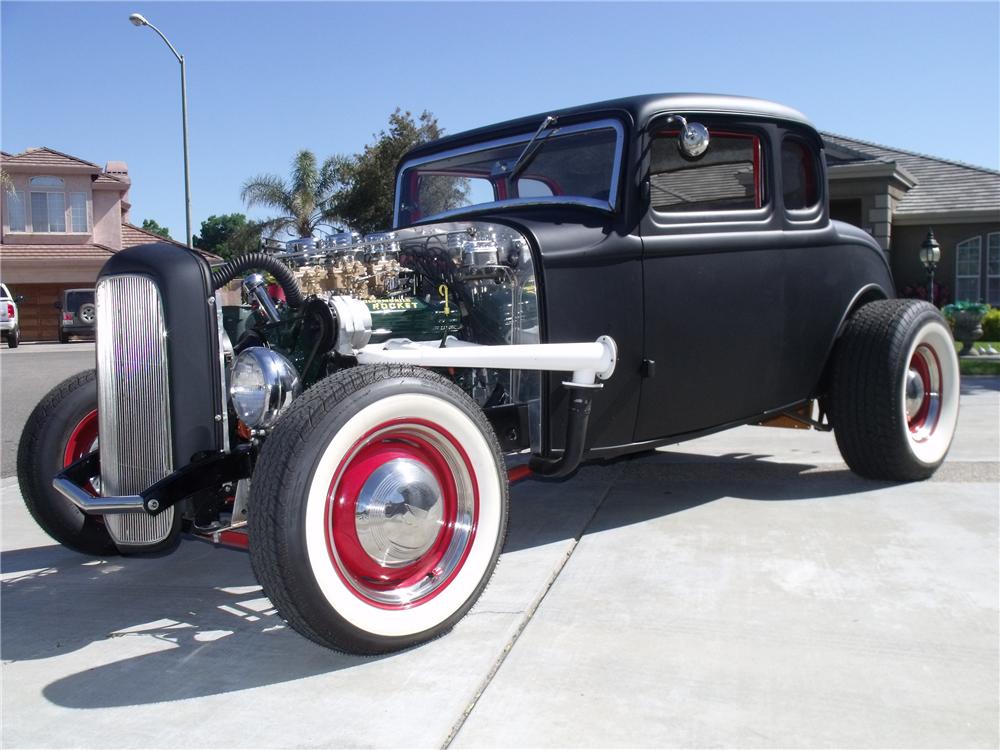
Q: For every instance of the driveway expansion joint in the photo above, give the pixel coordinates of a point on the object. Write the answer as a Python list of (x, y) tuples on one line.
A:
[(524, 622)]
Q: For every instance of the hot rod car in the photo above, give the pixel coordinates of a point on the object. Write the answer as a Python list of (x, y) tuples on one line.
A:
[(587, 283)]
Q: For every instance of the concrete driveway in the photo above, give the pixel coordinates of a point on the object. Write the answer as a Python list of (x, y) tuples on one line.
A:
[(742, 590)]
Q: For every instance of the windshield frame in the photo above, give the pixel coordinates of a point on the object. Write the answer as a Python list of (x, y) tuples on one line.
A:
[(608, 205)]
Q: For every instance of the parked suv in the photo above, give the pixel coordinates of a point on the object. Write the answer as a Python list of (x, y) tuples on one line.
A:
[(10, 323), (79, 313)]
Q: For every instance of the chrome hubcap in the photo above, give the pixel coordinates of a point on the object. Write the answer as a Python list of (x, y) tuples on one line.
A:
[(922, 395), (914, 393), (399, 513)]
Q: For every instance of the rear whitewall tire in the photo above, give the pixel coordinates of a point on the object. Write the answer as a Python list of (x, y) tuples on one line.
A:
[(885, 429)]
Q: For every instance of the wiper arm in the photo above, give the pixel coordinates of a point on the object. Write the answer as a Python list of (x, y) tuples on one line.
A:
[(529, 151)]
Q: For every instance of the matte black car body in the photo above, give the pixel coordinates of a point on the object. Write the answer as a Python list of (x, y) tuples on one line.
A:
[(719, 321)]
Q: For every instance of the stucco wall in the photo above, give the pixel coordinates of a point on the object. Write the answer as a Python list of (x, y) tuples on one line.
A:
[(108, 219)]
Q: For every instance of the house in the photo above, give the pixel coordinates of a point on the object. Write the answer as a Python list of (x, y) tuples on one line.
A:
[(62, 218), (897, 196)]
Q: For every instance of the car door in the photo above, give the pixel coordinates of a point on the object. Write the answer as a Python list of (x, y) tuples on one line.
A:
[(713, 279)]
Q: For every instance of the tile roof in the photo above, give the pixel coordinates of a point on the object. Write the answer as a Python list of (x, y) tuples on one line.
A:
[(133, 235), (54, 252), (942, 185), (108, 179), (46, 157)]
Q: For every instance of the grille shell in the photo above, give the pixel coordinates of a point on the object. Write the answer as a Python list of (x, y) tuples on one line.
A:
[(133, 387)]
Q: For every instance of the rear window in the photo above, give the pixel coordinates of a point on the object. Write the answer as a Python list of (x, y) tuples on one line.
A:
[(4, 294), (798, 174), (727, 177), (578, 163), (75, 300)]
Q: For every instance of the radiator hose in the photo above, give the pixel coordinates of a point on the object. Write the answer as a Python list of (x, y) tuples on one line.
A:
[(263, 262), (576, 438)]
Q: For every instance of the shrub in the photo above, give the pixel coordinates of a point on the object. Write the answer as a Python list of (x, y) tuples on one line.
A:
[(991, 325)]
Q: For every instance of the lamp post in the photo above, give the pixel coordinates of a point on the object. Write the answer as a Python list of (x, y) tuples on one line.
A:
[(138, 19), (930, 254)]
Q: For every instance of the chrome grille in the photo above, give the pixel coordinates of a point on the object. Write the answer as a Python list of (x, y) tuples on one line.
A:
[(133, 401)]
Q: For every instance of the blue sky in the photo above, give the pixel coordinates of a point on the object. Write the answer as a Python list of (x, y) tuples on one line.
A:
[(266, 79)]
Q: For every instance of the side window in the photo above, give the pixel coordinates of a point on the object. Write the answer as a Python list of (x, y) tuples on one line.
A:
[(798, 174), (727, 177), (529, 188)]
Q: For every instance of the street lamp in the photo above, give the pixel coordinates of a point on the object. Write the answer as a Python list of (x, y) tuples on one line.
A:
[(138, 19), (930, 254)]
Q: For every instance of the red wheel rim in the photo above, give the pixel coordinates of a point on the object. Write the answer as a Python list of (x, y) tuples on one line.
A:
[(445, 466), (82, 440), (924, 380)]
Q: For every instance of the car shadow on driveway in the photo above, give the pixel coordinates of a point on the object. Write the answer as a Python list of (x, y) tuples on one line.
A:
[(201, 610), (683, 481), (198, 609)]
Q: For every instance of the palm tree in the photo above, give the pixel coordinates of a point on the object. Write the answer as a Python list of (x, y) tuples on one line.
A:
[(303, 203)]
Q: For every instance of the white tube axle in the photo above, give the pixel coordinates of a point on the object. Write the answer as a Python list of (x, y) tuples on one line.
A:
[(587, 361)]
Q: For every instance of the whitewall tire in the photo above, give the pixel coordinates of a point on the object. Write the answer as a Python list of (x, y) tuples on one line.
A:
[(378, 509)]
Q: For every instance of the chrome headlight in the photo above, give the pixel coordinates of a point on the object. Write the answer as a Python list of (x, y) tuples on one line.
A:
[(262, 386)]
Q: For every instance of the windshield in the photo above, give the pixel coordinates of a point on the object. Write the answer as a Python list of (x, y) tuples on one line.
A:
[(575, 164)]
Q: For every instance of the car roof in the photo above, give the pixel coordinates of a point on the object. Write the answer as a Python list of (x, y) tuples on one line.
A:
[(639, 108)]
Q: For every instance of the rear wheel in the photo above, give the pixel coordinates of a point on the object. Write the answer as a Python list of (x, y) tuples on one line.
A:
[(378, 509), (14, 338), (61, 430), (895, 390)]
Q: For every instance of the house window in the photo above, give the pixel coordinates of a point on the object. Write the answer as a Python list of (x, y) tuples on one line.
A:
[(726, 178), (48, 204), (48, 212), (47, 182), (15, 211), (78, 212), (993, 268), (968, 257)]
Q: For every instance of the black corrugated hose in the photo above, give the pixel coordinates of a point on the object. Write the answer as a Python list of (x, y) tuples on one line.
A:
[(261, 262)]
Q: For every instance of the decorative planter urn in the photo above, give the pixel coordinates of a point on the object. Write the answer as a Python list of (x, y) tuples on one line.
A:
[(968, 327)]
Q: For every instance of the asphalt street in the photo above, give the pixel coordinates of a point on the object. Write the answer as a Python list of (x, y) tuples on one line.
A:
[(26, 375), (742, 590)]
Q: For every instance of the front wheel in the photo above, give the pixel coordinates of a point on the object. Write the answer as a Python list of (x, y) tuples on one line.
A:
[(378, 509), (895, 390), (61, 430)]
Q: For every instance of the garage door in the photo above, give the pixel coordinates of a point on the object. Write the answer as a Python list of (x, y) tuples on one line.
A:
[(39, 317)]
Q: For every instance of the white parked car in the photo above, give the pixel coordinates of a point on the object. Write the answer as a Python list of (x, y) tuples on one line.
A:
[(10, 324)]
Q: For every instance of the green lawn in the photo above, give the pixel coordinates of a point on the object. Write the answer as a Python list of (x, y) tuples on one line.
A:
[(976, 365)]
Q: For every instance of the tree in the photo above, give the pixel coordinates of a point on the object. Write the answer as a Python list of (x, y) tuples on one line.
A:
[(150, 225), (227, 235), (303, 203), (364, 199)]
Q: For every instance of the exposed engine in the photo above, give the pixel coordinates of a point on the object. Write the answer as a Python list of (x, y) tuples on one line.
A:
[(473, 282)]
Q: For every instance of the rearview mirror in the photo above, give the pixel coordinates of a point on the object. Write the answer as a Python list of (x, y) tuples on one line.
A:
[(19, 298), (693, 139), (57, 305)]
